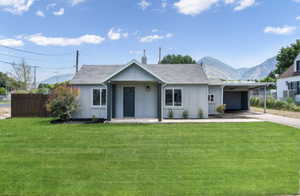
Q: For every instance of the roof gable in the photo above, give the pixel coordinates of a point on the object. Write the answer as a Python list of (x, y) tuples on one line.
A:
[(133, 73)]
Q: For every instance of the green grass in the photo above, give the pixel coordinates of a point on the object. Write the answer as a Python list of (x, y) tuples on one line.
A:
[(246, 159), (4, 102)]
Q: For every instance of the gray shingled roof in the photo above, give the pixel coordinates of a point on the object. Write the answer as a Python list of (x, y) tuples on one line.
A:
[(169, 73)]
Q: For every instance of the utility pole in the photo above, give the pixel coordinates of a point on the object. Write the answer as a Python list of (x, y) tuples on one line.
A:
[(34, 76), (77, 60)]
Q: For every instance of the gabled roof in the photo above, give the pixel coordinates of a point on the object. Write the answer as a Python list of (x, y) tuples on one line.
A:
[(166, 73), (290, 72)]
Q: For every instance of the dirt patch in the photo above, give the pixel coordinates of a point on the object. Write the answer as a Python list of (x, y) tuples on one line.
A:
[(4, 112), (278, 112)]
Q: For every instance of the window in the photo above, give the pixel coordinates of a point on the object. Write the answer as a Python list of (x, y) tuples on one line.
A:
[(298, 66), (173, 97), (211, 98), (99, 97), (298, 88)]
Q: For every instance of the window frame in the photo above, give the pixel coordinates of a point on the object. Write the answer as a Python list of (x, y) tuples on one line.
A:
[(211, 96), (298, 66), (92, 97), (173, 98)]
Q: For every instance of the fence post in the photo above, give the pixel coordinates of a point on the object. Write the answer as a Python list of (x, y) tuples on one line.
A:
[(265, 99)]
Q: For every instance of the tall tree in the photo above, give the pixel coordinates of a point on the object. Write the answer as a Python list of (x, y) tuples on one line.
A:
[(177, 59), (8, 82), (23, 74), (286, 57)]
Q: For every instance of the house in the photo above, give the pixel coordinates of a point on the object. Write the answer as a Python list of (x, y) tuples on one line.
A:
[(141, 90), (288, 84)]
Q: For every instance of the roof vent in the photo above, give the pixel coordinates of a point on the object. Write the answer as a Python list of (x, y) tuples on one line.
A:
[(144, 58)]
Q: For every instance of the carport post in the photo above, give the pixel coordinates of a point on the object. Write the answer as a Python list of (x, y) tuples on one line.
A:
[(265, 99)]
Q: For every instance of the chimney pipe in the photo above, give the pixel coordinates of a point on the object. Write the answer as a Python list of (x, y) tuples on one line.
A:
[(159, 56), (144, 58)]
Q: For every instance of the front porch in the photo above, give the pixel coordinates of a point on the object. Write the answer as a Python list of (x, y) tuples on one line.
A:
[(134, 100)]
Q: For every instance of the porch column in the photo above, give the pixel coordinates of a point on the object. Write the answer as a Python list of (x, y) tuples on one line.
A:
[(159, 102), (109, 101)]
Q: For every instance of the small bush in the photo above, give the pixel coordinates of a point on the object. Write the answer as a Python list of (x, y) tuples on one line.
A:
[(185, 114), (200, 113), (63, 102), (2, 91), (272, 103), (221, 109), (170, 114)]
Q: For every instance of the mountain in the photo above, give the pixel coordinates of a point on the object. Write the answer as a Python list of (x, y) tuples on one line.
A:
[(217, 69), (57, 79)]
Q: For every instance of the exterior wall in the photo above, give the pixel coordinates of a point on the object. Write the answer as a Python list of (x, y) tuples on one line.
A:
[(194, 97), (295, 62), (217, 91), (145, 100), (86, 110), (281, 86), (134, 73)]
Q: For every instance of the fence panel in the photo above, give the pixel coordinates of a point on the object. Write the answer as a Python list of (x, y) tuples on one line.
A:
[(29, 105)]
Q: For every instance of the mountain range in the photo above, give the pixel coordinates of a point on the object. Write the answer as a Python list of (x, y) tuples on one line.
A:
[(218, 69), (214, 69)]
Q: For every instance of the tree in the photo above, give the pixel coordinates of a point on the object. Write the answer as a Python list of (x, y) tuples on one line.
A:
[(286, 58), (63, 102), (23, 74), (8, 82), (177, 59)]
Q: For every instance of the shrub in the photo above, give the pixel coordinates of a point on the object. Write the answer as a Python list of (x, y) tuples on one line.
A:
[(200, 113), (185, 114), (2, 91), (272, 103), (62, 102), (221, 109), (170, 114)]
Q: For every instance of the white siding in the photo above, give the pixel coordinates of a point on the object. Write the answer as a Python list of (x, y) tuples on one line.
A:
[(85, 109), (133, 73), (218, 94), (282, 86), (194, 97), (145, 101)]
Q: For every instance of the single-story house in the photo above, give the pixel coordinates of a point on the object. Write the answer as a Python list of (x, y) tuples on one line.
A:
[(288, 84), (141, 90)]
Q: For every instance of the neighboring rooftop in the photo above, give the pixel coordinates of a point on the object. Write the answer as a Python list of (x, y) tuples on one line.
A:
[(290, 72)]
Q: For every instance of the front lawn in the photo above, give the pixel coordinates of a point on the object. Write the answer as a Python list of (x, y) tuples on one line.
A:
[(246, 159)]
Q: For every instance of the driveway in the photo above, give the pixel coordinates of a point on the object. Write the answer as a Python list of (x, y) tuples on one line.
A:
[(293, 122)]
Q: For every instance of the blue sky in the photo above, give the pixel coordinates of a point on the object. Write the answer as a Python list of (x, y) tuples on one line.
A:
[(241, 33)]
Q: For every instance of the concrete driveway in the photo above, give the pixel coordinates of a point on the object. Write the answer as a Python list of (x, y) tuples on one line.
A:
[(293, 122)]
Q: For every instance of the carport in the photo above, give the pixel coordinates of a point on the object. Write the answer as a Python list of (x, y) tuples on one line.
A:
[(236, 95)]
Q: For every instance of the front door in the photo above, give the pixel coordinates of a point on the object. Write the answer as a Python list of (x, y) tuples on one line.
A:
[(129, 98)]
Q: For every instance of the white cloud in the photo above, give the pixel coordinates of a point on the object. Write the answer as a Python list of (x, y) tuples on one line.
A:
[(229, 1), (16, 7), (50, 6), (169, 35), (298, 18), (41, 40), (75, 2), (243, 4), (60, 12), (285, 30), (40, 13), (11, 42), (144, 4), (151, 38), (194, 7), (116, 34), (164, 3)]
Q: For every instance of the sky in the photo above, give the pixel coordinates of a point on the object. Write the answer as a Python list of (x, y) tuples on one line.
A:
[(242, 33)]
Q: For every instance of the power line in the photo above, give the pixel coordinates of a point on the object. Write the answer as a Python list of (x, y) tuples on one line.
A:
[(35, 53)]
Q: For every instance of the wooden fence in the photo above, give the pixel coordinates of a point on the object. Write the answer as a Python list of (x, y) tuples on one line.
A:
[(29, 105)]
